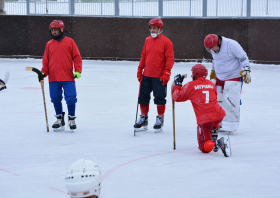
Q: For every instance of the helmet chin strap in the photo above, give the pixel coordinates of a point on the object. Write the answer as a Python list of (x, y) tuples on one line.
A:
[(154, 35)]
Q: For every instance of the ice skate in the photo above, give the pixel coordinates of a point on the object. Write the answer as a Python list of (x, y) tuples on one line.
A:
[(214, 138), (216, 148), (59, 124), (141, 124), (71, 122), (159, 124), (224, 144)]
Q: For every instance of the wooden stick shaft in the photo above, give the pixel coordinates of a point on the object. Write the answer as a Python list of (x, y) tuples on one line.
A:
[(43, 92), (173, 114)]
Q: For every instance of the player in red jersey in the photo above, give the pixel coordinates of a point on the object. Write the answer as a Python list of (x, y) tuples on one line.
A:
[(60, 58), (157, 60), (203, 95)]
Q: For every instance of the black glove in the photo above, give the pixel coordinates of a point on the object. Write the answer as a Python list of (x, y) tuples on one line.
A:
[(2, 85), (179, 79)]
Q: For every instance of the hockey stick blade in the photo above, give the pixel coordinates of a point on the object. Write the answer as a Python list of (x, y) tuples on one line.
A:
[(40, 75)]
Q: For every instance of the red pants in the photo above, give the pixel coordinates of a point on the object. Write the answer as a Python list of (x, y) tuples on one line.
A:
[(204, 133)]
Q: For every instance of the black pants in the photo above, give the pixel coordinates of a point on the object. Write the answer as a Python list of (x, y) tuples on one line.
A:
[(149, 84)]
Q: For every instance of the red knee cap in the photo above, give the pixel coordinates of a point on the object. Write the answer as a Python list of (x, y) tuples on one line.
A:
[(208, 146)]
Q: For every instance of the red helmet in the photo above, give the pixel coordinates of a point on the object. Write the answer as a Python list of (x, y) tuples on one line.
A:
[(210, 41), (199, 71), (57, 24), (156, 22)]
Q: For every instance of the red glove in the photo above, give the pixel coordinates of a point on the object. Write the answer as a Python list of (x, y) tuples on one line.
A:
[(165, 77), (139, 74)]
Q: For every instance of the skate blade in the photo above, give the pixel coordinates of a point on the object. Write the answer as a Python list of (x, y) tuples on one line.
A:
[(59, 129), (227, 146), (143, 128), (158, 130)]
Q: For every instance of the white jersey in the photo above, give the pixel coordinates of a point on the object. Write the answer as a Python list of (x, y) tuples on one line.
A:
[(230, 60)]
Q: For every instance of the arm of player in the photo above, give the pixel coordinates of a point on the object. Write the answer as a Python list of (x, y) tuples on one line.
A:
[(45, 68), (238, 52), (179, 93), (142, 63), (169, 57), (77, 59)]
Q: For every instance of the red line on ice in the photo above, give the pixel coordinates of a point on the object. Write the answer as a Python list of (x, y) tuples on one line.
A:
[(9, 172), (112, 170)]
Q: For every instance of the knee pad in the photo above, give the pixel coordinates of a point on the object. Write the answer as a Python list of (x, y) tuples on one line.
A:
[(208, 146), (71, 100), (56, 99)]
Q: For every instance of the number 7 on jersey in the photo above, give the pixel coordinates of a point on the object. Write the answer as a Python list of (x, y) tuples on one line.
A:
[(207, 96)]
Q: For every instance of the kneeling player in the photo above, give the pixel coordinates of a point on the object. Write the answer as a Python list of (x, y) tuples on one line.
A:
[(203, 95)]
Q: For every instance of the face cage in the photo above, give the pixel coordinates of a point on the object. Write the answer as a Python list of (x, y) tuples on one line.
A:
[(209, 50), (94, 191), (159, 31)]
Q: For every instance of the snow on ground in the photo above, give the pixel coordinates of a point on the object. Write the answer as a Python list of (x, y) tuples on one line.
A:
[(33, 163)]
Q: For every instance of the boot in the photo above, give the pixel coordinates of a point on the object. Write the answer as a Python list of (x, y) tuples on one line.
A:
[(141, 124), (71, 122), (59, 124), (159, 123), (224, 144)]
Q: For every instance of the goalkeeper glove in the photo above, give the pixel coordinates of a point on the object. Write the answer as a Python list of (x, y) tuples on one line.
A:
[(245, 73), (212, 75)]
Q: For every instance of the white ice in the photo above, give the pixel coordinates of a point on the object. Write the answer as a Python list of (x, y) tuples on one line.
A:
[(33, 163)]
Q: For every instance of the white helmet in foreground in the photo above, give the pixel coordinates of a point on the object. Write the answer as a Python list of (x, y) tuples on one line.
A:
[(83, 179)]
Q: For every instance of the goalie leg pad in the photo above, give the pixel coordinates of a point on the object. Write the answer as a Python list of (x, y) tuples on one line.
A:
[(231, 105)]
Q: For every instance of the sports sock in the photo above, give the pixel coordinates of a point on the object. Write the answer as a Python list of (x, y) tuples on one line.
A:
[(161, 110), (144, 109)]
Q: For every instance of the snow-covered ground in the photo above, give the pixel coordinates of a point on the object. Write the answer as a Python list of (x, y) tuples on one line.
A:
[(33, 163)]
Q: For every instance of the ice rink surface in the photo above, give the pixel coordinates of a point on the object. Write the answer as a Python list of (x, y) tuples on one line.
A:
[(33, 163)]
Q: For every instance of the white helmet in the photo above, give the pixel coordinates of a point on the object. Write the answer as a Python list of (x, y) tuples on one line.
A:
[(83, 179)]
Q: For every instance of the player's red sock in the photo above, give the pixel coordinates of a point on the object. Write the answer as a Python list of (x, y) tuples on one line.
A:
[(144, 110), (161, 110)]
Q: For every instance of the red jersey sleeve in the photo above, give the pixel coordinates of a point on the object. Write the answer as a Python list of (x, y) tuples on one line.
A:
[(45, 68), (76, 56), (169, 56), (143, 57), (181, 94)]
